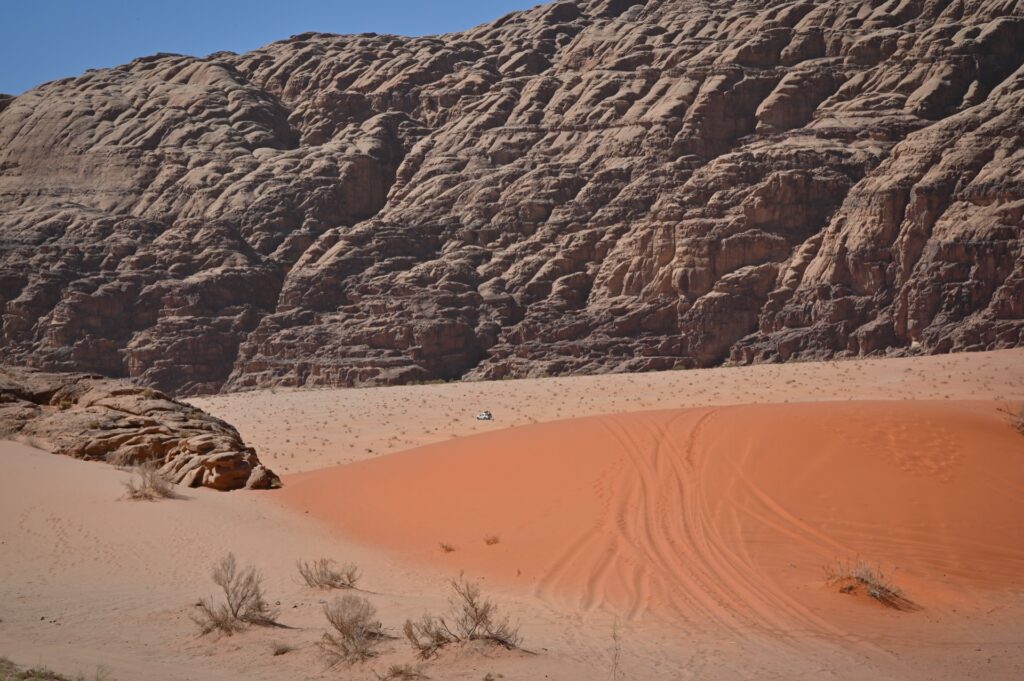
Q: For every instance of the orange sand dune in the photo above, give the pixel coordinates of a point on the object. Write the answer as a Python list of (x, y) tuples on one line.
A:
[(708, 517)]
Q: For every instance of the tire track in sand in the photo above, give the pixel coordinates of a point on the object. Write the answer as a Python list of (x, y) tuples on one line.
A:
[(656, 547)]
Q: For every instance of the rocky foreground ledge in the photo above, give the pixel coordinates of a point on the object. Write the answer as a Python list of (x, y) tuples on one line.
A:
[(88, 416)]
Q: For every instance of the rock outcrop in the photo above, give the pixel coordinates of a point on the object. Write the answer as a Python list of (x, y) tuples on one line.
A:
[(587, 186), (91, 417)]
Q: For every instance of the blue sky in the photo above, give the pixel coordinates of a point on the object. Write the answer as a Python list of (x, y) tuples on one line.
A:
[(42, 40)]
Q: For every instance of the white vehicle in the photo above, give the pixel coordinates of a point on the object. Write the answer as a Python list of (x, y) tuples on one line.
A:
[(484, 416)]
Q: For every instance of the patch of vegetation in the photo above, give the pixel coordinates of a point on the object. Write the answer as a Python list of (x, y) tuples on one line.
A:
[(244, 601), (357, 631), (492, 539), (12, 672), (852, 577), (473, 618), (1016, 418), (277, 648), (616, 671), (401, 672), (447, 548), (149, 484), (322, 574)]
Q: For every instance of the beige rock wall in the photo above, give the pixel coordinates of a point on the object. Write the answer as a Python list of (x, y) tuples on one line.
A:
[(582, 187)]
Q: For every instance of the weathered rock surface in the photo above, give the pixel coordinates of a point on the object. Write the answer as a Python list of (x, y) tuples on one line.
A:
[(91, 417), (587, 186)]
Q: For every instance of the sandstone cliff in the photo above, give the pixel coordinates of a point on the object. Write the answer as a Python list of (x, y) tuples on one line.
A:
[(91, 417), (588, 186)]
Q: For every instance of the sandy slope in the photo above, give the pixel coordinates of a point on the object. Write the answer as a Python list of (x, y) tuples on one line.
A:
[(702, 531), (716, 520), (692, 514), (88, 579), (299, 430)]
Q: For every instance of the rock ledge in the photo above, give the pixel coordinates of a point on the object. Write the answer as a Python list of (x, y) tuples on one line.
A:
[(91, 417)]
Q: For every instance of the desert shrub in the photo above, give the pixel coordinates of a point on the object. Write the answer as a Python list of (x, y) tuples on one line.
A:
[(492, 539), (473, 618), (12, 672), (1016, 418), (149, 484), (322, 574), (860, 577), (616, 672), (428, 635), (277, 648), (447, 548), (244, 601), (476, 618), (401, 672), (357, 631), (120, 458)]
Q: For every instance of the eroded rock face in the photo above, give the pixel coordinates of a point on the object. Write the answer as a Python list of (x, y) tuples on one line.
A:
[(91, 417), (586, 186)]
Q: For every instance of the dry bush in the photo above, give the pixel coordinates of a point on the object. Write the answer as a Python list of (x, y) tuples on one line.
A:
[(860, 577), (356, 630), (277, 648), (447, 548), (149, 484), (616, 671), (428, 635), (1016, 418), (476, 618), (321, 574), (473, 618), (120, 458), (492, 539), (12, 672), (401, 672), (244, 602)]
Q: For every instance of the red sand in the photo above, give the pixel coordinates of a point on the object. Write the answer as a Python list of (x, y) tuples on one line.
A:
[(709, 525), (710, 517)]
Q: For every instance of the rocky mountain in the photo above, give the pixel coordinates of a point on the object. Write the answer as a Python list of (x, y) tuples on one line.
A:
[(102, 419), (588, 186)]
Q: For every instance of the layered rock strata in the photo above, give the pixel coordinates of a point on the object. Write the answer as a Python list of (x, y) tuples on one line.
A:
[(587, 186), (96, 418)]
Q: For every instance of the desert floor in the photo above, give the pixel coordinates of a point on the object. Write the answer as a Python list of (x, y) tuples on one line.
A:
[(673, 525)]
